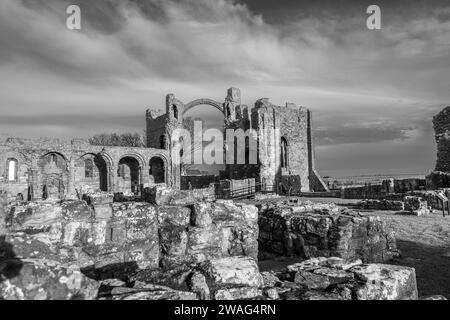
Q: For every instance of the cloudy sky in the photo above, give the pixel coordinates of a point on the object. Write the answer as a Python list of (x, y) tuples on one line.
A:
[(372, 92)]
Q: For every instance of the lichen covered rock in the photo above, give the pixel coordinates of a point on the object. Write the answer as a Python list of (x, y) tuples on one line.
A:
[(39, 279), (338, 279), (345, 234), (238, 271)]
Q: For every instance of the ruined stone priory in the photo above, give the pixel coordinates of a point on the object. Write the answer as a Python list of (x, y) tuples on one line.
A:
[(36, 169)]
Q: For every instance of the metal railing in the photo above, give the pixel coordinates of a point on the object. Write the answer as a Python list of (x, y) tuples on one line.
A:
[(245, 191)]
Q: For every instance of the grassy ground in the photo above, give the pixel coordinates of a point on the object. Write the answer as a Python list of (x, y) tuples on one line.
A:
[(424, 243)]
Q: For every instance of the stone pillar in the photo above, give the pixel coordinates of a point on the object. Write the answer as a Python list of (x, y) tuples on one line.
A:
[(34, 181), (441, 125), (114, 178), (71, 192), (3, 204), (145, 173)]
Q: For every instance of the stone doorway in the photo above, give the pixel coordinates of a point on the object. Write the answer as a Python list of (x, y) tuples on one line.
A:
[(157, 170), (129, 175)]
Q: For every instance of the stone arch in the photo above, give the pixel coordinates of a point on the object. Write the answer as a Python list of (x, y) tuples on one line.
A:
[(158, 169), (55, 153), (215, 104), (108, 159), (54, 175), (129, 174), (99, 175), (139, 158), (109, 167)]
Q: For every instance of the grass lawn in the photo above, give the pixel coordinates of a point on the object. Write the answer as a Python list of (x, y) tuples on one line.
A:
[(424, 243)]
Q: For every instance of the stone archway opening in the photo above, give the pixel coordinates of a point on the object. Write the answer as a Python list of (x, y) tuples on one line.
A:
[(128, 175), (157, 170), (102, 171), (94, 171), (54, 175), (201, 113)]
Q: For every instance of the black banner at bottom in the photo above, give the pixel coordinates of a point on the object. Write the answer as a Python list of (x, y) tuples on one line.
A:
[(214, 309)]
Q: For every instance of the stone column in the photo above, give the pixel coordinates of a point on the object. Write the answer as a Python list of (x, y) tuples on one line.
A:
[(3, 204), (34, 181), (114, 180), (71, 192)]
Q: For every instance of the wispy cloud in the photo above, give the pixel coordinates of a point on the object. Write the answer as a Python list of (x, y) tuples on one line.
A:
[(365, 87)]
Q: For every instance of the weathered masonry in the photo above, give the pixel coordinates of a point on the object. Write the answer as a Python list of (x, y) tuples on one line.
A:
[(285, 150), (36, 169), (440, 177)]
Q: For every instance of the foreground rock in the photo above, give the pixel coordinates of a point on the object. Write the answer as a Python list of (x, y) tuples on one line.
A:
[(207, 250), (164, 195), (337, 279), (240, 271), (287, 231), (126, 237), (39, 279)]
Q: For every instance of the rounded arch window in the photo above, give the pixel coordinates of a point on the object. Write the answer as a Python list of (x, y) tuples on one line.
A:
[(175, 111), (12, 168)]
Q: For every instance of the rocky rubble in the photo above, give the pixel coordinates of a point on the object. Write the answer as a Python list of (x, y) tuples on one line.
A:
[(208, 250), (416, 206), (330, 231), (123, 239), (339, 279), (411, 204), (163, 195), (43, 279), (226, 278), (370, 204)]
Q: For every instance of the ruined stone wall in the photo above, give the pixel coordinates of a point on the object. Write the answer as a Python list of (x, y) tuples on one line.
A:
[(383, 189), (269, 123), (112, 239), (274, 123), (156, 129), (294, 126), (313, 230), (376, 191), (196, 182), (441, 125), (58, 169), (438, 179)]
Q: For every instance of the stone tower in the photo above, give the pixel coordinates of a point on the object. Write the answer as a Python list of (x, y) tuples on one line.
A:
[(441, 125)]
